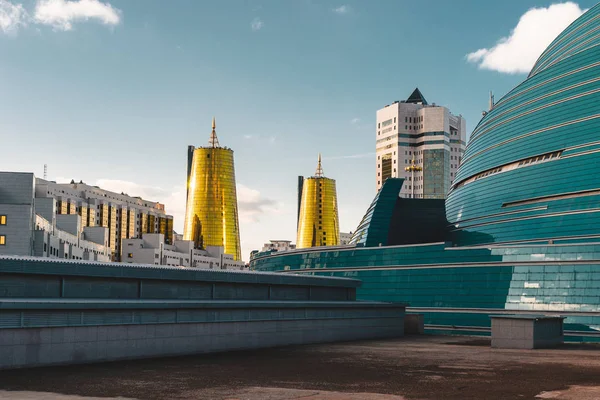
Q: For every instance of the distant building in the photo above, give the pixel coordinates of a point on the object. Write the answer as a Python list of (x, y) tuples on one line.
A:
[(124, 216), (318, 220), (422, 143), (30, 224), (278, 245), (211, 215), (151, 249), (345, 237)]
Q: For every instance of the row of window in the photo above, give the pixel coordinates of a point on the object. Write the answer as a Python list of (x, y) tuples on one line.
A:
[(411, 119), (513, 165)]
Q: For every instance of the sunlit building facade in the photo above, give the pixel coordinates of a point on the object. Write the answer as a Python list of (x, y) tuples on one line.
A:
[(211, 217), (420, 142), (318, 220), (522, 218), (125, 216)]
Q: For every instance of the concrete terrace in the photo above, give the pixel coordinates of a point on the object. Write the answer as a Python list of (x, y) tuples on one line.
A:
[(414, 367)]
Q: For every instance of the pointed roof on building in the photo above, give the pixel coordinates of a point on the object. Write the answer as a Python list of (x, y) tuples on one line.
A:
[(319, 171), (213, 141), (416, 97)]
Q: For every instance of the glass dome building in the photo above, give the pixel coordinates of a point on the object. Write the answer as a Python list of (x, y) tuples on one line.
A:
[(522, 218), (528, 173)]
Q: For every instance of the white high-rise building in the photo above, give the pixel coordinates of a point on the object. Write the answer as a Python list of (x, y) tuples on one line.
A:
[(422, 143)]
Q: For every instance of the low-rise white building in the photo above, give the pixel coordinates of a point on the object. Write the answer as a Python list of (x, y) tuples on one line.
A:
[(345, 237), (29, 225), (151, 249), (278, 245)]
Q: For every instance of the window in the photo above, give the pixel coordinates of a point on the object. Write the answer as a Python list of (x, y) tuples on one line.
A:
[(2, 240), (129, 255), (2, 219)]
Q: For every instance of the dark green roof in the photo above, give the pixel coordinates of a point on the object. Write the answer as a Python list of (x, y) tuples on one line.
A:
[(416, 97)]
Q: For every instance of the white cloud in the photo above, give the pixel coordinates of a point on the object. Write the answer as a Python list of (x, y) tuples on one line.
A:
[(535, 30), (355, 121), (271, 139), (251, 204), (61, 14), (12, 17), (257, 24), (343, 9)]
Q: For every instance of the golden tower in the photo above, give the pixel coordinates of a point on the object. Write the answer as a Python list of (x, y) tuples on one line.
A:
[(211, 215), (318, 222)]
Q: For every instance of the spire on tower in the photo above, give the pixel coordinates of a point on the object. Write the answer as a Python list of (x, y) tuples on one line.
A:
[(319, 172), (214, 141)]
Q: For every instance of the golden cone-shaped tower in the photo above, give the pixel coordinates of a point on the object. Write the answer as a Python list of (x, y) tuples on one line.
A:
[(318, 221), (211, 215)]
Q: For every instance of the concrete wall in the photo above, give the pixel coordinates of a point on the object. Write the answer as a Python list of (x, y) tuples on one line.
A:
[(18, 229), (70, 223), (67, 345)]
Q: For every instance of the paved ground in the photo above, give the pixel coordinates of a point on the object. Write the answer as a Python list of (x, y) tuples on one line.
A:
[(412, 368)]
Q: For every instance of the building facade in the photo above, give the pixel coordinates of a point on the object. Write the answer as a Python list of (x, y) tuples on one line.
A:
[(345, 237), (523, 224), (152, 249), (124, 216), (31, 226), (422, 143), (278, 245), (211, 217), (318, 220)]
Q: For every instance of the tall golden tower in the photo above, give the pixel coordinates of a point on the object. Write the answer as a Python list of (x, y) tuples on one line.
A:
[(318, 222), (211, 215)]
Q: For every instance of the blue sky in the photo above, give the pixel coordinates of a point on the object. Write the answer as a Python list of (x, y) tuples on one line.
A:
[(112, 92)]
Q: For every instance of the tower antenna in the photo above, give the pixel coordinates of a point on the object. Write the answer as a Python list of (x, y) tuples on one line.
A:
[(213, 142), (319, 172), (45, 172)]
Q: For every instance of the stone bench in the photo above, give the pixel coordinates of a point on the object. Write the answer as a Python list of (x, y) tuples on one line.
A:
[(526, 331)]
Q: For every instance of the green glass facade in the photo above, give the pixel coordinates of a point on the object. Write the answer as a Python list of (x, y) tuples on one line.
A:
[(523, 212)]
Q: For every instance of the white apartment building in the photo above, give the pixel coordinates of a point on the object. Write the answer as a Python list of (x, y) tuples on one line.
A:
[(278, 245), (151, 249), (345, 238), (29, 225), (124, 216), (422, 143)]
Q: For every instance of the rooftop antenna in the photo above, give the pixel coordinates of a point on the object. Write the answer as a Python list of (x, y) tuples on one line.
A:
[(319, 172), (491, 100), (213, 142), (45, 172)]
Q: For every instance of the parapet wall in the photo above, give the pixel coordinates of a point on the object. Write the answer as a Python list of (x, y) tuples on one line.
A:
[(67, 312)]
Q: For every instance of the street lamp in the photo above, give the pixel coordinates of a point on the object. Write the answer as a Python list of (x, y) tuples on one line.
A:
[(412, 168)]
